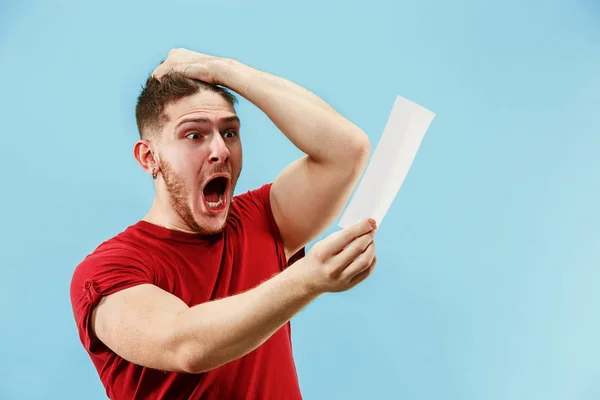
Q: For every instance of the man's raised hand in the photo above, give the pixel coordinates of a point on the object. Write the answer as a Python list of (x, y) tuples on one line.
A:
[(191, 64)]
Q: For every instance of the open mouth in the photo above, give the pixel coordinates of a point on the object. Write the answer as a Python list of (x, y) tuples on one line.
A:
[(214, 193)]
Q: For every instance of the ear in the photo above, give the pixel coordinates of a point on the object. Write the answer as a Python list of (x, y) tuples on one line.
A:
[(145, 154)]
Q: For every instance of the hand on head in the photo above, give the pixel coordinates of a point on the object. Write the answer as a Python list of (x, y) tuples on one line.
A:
[(191, 64)]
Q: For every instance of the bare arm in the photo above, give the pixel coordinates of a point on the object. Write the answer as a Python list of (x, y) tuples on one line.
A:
[(151, 327), (312, 191), (148, 326)]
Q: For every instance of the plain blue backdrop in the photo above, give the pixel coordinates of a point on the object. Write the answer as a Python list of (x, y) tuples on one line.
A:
[(487, 280)]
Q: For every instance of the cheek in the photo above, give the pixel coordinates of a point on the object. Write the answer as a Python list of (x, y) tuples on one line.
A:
[(182, 173), (188, 160), (235, 153)]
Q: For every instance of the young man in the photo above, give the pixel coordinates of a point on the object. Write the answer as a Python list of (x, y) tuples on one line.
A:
[(194, 300)]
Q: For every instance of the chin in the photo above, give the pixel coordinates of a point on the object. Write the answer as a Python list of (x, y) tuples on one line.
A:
[(212, 226), (208, 221)]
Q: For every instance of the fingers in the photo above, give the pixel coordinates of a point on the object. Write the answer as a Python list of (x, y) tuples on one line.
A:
[(160, 72), (163, 68), (360, 263), (168, 65), (182, 61), (339, 240), (354, 249), (361, 276)]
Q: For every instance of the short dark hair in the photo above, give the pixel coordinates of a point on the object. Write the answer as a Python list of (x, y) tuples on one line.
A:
[(156, 95)]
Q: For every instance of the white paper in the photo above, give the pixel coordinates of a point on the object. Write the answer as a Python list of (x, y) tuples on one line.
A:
[(390, 162)]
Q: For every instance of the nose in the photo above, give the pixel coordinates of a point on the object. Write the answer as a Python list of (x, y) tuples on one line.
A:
[(219, 152)]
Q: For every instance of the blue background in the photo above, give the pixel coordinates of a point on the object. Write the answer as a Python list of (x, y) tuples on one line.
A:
[(487, 280)]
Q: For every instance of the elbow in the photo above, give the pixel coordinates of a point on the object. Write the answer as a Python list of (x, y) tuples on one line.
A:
[(192, 360), (188, 363), (191, 367), (360, 151), (191, 364), (363, 146)]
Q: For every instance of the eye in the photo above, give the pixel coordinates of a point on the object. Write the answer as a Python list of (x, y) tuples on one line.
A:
[(229, 134), (193, 136)]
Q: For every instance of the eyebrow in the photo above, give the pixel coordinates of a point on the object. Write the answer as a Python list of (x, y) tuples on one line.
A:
[(206, 121)]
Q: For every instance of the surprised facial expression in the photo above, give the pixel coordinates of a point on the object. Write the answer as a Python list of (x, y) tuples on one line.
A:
[(200, 158)]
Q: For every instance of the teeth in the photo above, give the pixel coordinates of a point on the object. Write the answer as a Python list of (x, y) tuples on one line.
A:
[(214, 204)]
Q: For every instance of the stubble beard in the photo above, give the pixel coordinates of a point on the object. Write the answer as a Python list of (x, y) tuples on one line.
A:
[(179, 195)]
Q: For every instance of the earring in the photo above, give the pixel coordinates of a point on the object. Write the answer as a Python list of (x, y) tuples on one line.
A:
[(154, 174)]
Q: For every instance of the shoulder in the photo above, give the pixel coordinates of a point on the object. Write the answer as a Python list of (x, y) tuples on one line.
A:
[(116, 264), (252, 210), (121, 258), (254, 200), (125, 247)]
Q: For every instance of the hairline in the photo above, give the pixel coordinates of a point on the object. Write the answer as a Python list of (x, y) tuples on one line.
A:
[(163, 118)]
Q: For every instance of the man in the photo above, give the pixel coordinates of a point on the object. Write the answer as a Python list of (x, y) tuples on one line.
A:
[(194, 300)]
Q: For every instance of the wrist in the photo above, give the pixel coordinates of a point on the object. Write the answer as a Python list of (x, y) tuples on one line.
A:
[(233, 75), (224, 71), (300, 282)]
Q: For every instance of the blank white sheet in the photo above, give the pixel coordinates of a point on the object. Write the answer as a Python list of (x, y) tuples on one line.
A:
[(390, 162)]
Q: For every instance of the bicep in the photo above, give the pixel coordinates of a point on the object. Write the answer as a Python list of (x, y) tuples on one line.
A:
[(137, 324), (308, 196)]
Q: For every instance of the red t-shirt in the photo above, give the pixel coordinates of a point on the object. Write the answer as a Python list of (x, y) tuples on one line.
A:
[(196, 269)]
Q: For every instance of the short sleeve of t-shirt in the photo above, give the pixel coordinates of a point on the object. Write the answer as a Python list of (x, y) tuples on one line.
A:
[(260, 199), (110, 268)]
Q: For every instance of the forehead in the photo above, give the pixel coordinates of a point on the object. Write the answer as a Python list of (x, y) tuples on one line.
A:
[(208, 104)]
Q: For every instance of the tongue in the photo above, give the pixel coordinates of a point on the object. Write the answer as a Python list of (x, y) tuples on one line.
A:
[(213, 190), (211, 195)]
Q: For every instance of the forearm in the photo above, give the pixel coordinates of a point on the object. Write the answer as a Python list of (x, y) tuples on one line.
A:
[(308, 121), (211, 334)]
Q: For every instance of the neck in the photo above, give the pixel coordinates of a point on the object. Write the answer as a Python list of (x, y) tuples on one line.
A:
[(162, 214)]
